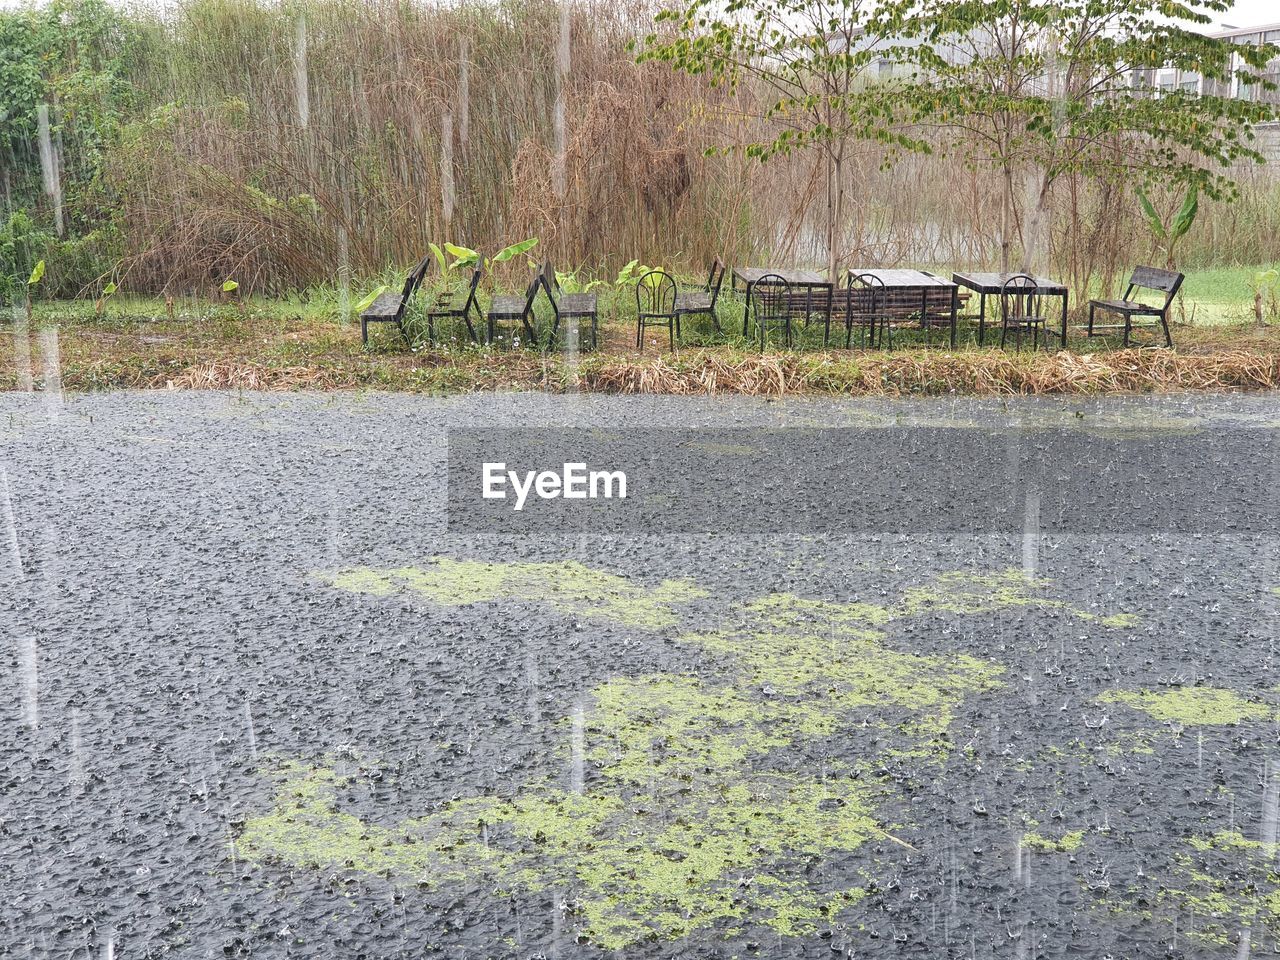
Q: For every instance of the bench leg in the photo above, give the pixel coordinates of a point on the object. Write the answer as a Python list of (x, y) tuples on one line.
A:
[(364, 331), (1164, 322), (1128, 325), (1092, 308)]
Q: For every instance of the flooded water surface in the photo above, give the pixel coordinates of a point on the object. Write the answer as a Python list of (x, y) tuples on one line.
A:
[(271, 692)]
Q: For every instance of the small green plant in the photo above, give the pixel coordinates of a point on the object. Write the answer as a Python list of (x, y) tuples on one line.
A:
[(1167, 235), (1266, 294), (100, 305), (465, 258), (367, 302), (37, 274)]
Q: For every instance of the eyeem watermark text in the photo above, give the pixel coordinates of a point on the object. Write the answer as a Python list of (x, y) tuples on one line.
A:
[(574, 482)]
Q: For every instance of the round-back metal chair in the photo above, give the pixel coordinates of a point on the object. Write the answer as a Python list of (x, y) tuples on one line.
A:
[(867, 303), (1021, 307), (771, 304), (656, 294)]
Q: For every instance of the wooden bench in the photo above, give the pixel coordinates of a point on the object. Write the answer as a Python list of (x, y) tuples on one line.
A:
[(1144, 278), (390, 306)]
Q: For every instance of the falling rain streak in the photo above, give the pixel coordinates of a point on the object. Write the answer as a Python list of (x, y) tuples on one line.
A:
[(49, 166), (301, 84), (559, 163)]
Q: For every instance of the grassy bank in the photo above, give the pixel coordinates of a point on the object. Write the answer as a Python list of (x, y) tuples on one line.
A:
[(297, 344)]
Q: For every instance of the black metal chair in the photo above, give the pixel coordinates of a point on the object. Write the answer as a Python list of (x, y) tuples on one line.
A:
[(390, 307), (569, 306), (657, 297), (1021, 305), (867, 305), (696, 302), (507, 308), (444, 307), (771, 305)]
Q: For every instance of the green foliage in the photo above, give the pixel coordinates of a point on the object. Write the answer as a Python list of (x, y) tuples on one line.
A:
[(1168, 234), (22, 244), (230, 286), (1062, 90), (37, 274), (367, 302)]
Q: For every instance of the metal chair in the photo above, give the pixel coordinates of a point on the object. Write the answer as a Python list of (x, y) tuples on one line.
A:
[(515, 308), (1021, 307), (867, 303), (444, 308), (657, 297), (771, 304), (702, 301)]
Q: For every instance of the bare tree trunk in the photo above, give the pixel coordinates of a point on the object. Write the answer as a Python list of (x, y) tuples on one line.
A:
[(1038, 235), (832, 214), (1006, 218), (835, 212)]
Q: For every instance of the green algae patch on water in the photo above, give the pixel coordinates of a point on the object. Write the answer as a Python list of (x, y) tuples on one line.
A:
[(569, 586), (968, 593), (1226, 881), (1192, 706), (692, 816), (1067, 843)]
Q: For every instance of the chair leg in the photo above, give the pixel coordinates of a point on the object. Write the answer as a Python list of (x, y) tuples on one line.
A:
[(1004, 332), (671, 333)]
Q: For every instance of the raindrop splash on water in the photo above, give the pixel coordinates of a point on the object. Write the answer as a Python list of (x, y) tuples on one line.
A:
[(253, 737), (11, 526), (1031, 535), (49, 166), (78, 775), (29, 678), (578, 748)]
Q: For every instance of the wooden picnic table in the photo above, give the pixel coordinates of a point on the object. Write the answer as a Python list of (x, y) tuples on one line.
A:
[(809, 280), (909, 282), (992, 283)]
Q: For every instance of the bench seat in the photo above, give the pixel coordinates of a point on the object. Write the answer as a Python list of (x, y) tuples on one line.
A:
[(386, 307), (1127, 306)]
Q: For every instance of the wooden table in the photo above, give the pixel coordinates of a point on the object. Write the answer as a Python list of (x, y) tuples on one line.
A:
[(912, 281), (808, 280), (992, 283)]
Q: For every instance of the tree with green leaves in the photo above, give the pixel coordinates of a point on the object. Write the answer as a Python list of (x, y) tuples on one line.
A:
[(801, 67), (1045, 88)]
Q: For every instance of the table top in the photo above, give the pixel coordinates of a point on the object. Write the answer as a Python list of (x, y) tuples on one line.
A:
[(993, 282), (800, 278), (903, 278)]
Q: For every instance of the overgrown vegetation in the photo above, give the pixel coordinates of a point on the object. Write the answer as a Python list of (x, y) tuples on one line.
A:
[(169, 150)]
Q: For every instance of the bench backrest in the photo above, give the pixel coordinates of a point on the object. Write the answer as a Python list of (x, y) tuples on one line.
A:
[(411, 284), (1152, 278)]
